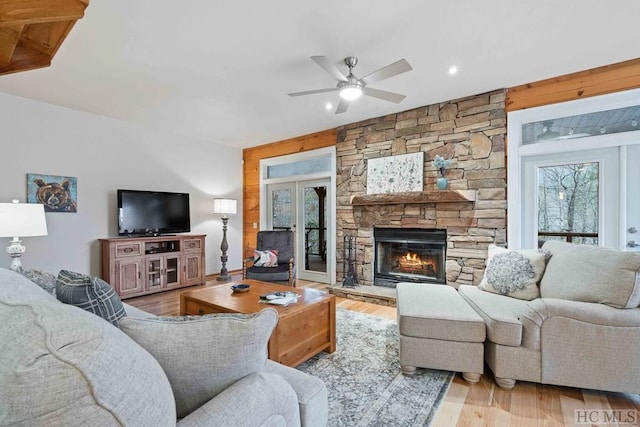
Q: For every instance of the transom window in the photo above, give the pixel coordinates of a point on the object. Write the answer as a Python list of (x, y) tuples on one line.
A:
[(617, 120)]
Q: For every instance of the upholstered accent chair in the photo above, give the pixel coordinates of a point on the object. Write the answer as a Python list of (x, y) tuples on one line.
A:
[(282, 241)]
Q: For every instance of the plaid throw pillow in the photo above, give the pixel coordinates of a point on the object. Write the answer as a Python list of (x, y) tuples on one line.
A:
[(268, 258), (90, 293)]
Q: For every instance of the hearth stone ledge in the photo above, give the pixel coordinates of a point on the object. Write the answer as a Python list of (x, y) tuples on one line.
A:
[(380, 295)]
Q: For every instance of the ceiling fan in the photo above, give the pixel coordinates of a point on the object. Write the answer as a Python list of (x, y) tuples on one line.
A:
[(351, 87)]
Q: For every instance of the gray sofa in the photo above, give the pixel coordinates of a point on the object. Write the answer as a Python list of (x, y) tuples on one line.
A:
[(61, 365), (583, 330)]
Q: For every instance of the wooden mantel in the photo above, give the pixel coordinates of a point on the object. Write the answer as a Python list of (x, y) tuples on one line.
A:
[(441, 196), (31, 31)]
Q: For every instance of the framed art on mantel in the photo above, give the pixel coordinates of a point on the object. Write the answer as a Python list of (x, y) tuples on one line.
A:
[(56, 193), (395, 174)]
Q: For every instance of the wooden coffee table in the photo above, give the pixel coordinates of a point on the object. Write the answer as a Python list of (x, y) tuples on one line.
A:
[(304, 329)]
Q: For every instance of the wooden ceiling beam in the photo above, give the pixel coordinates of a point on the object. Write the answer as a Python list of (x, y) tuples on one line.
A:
[(38, 11), (25, 59), (9, 36), (32, 31), (46, 38)]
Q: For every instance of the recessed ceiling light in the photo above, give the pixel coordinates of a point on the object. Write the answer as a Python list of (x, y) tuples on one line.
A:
[(328, 106), (453, 70)]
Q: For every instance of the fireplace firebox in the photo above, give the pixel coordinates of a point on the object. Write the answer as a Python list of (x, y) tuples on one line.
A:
[(409, 255)]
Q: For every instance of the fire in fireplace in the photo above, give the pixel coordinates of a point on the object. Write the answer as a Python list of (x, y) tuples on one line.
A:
[(409, 255)]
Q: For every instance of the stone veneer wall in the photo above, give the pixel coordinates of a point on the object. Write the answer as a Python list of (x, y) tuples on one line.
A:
[(471, 131)]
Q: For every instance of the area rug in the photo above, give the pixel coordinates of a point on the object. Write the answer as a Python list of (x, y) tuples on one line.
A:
[(364, 381)]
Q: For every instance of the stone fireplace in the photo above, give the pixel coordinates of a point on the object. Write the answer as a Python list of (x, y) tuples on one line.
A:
[(471, 213), (409, 255)]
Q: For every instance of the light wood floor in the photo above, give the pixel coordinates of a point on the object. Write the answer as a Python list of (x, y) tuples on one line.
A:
[(481, 404)]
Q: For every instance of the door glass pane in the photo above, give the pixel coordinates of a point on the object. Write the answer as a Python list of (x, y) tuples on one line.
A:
[(281, 206), (568, 203), (172, 270), (315, 228), (154, 279)]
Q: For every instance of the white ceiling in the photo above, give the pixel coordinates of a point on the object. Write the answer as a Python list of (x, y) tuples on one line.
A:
[(221, 70)]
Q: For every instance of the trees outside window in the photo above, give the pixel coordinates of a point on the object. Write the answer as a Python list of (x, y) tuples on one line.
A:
[(568, 203)]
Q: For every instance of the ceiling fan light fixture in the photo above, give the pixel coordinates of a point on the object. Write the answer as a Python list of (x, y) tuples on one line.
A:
[(351, 92)]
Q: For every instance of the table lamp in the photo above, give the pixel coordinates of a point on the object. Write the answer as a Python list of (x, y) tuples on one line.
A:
[(21, 220), (224, 207)]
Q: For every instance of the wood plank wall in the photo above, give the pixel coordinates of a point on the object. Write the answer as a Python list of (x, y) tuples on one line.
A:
[(251, 176), (597, 81)]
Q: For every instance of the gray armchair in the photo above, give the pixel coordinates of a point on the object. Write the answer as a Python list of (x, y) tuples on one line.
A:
[(284, 242)]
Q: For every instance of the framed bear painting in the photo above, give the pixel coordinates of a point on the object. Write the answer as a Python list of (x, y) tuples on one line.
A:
[(56, 193)]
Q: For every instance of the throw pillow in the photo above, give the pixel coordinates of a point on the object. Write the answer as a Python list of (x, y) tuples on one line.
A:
[(592, 274), (514, 273), (203, 355), (90, 293), (268, 258), (44, 279)]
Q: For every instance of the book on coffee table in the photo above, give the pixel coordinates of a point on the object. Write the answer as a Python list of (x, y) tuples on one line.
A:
[(279, 298)]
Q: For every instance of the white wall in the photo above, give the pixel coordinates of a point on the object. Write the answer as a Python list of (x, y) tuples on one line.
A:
[(106, 155)]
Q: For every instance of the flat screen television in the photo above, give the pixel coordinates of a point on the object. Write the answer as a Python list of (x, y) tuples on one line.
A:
[(151, 213)]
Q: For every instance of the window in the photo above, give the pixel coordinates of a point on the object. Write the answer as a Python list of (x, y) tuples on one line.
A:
[(606, 122), (568, 203), (302, 167)]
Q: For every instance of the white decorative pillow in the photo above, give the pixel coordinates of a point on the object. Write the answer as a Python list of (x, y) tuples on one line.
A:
[(203, 355), (514, 273), (268, 258)]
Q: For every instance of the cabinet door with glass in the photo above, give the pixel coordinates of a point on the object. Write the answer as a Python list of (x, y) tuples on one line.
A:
[(153, 271), (162, 271), (171, 274)]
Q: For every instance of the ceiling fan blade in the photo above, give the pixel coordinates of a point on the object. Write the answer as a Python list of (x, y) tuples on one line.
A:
[(311, 92), (323, 61), (342, 106), (383, 94), (391, 70)]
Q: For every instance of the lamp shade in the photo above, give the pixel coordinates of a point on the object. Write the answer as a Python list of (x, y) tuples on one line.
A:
[(225, 206), (22, 220)]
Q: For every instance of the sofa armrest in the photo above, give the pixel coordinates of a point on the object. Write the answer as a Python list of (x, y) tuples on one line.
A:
[(542, 310), (311, 392), (256, 399), (135, 311), (586, 345)]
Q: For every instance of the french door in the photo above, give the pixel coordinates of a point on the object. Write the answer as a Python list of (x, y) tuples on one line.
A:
[(303, 206), (631, 233), (314, 230), (572, 197)]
